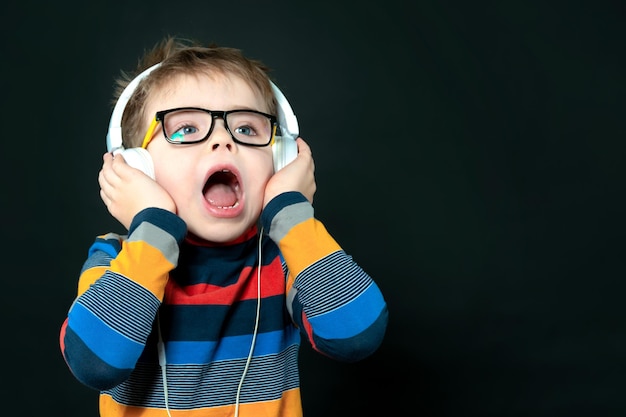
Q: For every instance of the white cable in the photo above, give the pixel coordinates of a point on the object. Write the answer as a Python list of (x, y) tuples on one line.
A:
[(163, 364), (256, 325)]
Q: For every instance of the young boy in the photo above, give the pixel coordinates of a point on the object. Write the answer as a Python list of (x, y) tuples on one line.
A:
[(200, 308)]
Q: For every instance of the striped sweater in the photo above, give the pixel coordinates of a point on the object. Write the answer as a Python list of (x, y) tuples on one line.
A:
[(202, 299)]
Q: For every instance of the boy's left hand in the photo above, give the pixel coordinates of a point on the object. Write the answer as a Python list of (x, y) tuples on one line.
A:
[(298, 175)]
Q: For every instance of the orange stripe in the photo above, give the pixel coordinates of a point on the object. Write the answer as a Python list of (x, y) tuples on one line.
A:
[(145, 265), (288, 406), (306, 243), (88, 277)]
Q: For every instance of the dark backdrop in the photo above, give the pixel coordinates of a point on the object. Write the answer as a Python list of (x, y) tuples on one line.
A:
[(469, 156)]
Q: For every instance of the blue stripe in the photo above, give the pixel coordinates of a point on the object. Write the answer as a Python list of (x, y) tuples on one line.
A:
[(235, 347), (363, 311), (109, 345), (104, 246)]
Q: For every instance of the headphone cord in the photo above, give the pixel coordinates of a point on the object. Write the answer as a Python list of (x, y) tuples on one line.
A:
[(163, 364), (256, 324)]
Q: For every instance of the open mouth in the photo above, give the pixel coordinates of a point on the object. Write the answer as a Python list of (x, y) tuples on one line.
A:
[(222, 190)]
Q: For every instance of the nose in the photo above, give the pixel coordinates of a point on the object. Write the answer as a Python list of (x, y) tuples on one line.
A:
[(220, 136)]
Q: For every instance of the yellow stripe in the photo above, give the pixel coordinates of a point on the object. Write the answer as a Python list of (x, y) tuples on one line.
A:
[(288, 406), (145, 265), (306, 243), (88, 277)]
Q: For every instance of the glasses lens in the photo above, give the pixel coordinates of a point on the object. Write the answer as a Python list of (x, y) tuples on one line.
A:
[(186, 126), (250, 127)]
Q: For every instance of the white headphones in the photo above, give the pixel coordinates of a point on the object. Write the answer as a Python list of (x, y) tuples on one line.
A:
[(284, 148)]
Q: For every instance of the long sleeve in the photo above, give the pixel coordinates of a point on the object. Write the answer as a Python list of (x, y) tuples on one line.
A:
[(338, 307), (120, 289)]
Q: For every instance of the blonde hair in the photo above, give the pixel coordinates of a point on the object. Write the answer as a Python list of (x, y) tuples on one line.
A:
[(183, 56)]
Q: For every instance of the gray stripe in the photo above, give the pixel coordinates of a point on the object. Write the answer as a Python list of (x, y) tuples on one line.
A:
[(288, 217), (158, 238), (331, 282)]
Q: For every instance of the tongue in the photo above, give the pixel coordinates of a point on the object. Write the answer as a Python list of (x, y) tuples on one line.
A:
[(221, 195)]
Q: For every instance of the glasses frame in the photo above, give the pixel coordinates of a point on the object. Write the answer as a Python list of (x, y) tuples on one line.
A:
[(215, 114)]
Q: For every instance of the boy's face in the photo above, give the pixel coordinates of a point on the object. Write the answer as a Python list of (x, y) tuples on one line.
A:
[(218, 185)]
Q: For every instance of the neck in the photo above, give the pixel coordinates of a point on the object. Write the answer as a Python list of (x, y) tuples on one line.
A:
[(198, 241)]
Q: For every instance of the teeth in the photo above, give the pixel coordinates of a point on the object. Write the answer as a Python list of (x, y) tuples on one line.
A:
[(229, 207)]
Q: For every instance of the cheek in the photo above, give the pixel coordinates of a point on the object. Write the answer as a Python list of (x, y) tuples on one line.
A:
[(260, 179), (168, 173), (259, 173), (264, 171)]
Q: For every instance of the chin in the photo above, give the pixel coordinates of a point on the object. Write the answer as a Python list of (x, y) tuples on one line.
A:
[(219, 233)]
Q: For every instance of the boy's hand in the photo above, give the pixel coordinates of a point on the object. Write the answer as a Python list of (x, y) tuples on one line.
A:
[(298, 175), (126, 190)]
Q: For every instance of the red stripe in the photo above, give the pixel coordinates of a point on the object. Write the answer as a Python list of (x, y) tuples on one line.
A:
[(308, 329), (62, 335), (272, 283)]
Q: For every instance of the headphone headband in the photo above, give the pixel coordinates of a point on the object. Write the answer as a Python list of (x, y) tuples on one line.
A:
[(114, 136)]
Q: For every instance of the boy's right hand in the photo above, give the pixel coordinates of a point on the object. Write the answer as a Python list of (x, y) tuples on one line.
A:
[(126, 190)]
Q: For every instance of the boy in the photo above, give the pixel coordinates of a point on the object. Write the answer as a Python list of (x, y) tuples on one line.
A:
[(200, 308)]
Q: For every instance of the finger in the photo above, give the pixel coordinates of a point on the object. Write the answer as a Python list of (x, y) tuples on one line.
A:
[(117, 163), (303, 146), (107, 162), (107, 158), (106, 178), (105, 199), (114, 170), (105, 189)]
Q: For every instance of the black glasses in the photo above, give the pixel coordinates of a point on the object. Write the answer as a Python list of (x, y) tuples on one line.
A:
[(186, 125)]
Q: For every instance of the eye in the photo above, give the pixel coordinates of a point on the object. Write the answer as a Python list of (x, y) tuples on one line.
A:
[(187, 125), (245, 130), (184, 133), (246, 125)]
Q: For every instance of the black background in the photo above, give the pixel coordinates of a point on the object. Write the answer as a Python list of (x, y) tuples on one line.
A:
[(469, 155)]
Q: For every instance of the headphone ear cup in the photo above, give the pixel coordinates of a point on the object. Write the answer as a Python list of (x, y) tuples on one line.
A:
[(285, 150), (138, 158)]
